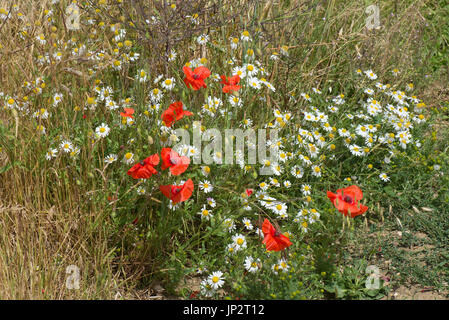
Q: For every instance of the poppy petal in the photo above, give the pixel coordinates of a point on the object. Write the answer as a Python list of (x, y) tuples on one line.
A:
[(202, 71), (267, 227), (187, 71), (187, 190), (354, 192), (153, 160), (166, 190)]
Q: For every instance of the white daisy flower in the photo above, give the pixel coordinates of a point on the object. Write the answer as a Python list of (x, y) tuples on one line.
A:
[(252, 265), (251, 70), (172, 55), (369, 91), (202, 39), (263, 186), (206, 288), (316, 171), (306, 189), (142, 76), (245, 36), (211, 202), (283, 266), (356, 150), (229, 224), (235, 101), (128, 158), (57, 99), (247, 224), (206, 186), (254, 83), (168, 84), (205, 213), (306, 97), (66, 146), (297, 172), (239, 241), (240, 71), (141, 191), (234, 42), (215, 280), (231, 248), (370, 74), (51, 153), (110, 158), (275, 182), (384, 177), (102, 131), (279, 208)]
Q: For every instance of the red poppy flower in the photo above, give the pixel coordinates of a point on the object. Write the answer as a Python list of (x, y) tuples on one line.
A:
[(274, 239), (178, 193), (168, 116), (171, 159), (128, 112), (145, 168), (230, 83), (249, 192), (174, 113), (347, 201), (178, 109), (195, 79)]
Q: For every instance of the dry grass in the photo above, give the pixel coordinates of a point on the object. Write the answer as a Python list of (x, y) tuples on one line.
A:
[(37, 246)]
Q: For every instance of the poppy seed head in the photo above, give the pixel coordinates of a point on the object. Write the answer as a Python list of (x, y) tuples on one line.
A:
[(348, 199)]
